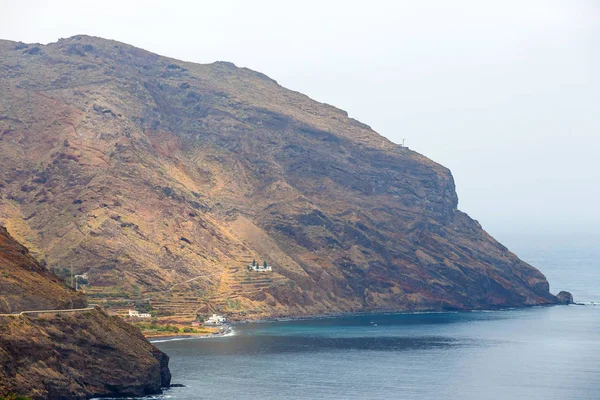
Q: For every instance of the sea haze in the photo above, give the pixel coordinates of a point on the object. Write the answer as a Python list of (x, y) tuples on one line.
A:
[(536, 353)]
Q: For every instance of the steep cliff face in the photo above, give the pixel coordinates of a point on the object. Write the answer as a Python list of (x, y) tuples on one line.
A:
[(154, 174), (78, 356), (74, 355)]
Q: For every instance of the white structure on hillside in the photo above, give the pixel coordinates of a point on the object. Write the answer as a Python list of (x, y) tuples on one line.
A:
[(260, 268), (137, 314), (82, 276), (215, 320)]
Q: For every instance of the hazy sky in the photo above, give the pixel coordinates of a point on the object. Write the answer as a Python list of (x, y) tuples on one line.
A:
[(504, 93)]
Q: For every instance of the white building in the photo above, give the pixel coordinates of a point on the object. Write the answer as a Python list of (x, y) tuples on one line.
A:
[(260, 268), (137, 314), (215, 320), (82, 276)]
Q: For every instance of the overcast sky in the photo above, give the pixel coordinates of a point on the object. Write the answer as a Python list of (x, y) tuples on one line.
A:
[(504, 93)]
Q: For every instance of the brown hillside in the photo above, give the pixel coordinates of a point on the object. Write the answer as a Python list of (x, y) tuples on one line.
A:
[(78, 356), (26, 285), (163, 179), (70, 355)]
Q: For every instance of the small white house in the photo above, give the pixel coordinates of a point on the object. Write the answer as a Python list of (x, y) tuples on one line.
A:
[(260, 268), (82, 276), (137, 314), (215, 320)]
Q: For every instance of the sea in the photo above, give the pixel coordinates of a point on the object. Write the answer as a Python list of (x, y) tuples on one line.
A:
[(533, 353)]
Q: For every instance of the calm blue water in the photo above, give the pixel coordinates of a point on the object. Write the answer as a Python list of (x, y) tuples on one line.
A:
[(538, 353)]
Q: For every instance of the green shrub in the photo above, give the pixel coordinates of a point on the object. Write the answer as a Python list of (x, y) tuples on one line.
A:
[(13, 396)]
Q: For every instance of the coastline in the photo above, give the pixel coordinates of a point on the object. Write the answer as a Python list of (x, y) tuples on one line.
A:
[(227, 330), (224, 331), (374, 312)]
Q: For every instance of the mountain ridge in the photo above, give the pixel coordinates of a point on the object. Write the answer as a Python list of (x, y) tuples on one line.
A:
[(152, 174)]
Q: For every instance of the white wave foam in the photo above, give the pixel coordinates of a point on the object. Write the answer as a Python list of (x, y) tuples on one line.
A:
[(230, 332)]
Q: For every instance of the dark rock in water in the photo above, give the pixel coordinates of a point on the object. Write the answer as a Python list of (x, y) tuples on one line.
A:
[(165, 373), (565, 297)]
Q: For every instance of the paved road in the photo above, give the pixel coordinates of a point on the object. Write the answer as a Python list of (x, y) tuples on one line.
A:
[(89, 308)]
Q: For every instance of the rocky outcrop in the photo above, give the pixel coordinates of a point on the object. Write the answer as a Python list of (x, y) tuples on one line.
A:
[(114, 155), (565, 297), (78, 356), (67, 355)]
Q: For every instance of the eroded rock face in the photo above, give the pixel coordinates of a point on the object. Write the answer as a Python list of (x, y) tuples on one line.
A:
[(73, 355), (78, 356), (156, 172)]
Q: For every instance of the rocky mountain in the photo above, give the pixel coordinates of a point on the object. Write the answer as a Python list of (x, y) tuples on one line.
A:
[(163, 179), (70, 355)]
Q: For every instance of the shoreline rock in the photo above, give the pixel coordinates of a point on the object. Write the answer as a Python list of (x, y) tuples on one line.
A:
[(565, 297), (78, 356)]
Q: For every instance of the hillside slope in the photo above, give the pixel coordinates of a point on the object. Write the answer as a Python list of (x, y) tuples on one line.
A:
[(75, 355), (167, 178), (26, 285)]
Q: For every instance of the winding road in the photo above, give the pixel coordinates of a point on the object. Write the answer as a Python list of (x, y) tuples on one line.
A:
[(22, 313)]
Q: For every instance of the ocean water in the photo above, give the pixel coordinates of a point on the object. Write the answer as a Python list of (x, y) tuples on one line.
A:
[(537, 353)]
